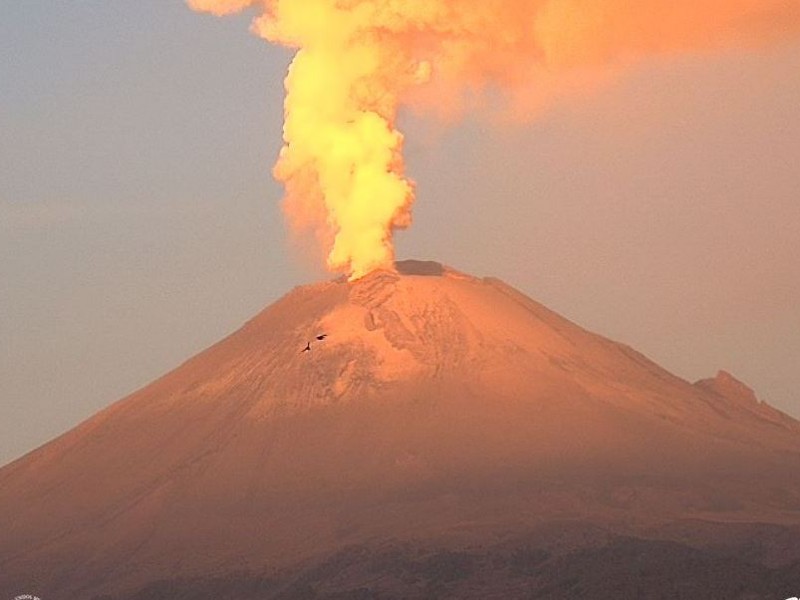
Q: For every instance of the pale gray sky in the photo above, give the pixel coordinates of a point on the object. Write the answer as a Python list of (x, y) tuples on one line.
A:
[(139, 222)]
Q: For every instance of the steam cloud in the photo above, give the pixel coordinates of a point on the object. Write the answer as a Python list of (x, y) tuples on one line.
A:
[(359, 61)]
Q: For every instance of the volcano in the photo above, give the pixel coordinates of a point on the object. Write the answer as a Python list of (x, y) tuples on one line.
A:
[(448, 437)]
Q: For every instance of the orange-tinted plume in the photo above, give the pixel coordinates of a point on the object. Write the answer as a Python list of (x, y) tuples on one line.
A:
[(359, 61)]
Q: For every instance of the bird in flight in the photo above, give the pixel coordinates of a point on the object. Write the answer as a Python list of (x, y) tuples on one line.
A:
[(318, 338)]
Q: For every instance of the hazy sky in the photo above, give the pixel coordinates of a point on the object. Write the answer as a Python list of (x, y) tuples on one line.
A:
[(139, 222)]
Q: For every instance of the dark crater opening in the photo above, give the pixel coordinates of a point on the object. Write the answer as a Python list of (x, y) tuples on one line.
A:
[(426, 268)]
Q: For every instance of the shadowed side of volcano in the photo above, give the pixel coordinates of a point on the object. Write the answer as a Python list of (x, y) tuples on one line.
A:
[(601, 564)]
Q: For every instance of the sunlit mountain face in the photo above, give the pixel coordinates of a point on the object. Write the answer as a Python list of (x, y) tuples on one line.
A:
[(417, 433)]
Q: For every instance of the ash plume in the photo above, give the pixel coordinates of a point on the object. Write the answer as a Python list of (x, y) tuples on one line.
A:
[(358, 62)]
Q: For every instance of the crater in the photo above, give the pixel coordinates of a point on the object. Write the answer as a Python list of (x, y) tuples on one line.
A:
[(424, 268)]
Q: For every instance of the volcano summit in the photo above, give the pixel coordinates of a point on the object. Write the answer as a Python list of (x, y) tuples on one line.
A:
[(448, 438)]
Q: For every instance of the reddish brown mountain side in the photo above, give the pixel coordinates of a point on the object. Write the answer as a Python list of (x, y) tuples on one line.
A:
[(446, 423)]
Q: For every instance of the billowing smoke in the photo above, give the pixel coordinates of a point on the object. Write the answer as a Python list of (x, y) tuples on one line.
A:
[(359, 61)]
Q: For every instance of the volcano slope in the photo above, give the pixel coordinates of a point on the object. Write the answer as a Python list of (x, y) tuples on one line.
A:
[(450, 438)]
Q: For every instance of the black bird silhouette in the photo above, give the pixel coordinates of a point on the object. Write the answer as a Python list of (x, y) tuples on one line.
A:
[(307, 348), (322, 336)]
